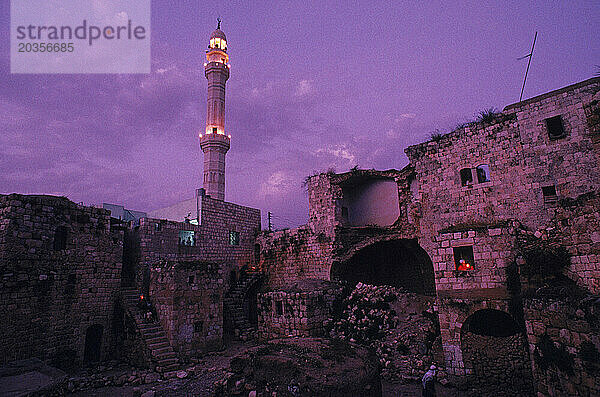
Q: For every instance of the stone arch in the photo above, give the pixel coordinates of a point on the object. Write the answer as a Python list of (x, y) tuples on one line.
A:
[(396, 262), (93, 343), (494, 352)]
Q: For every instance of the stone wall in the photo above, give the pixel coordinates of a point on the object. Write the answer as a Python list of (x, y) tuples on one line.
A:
[(493, 253), (188, 297), (453, 312), (569, 324), (159, 239), (324, 209), (60, 269), (497, 365), (577, 224), (300, 309), (290, 255)]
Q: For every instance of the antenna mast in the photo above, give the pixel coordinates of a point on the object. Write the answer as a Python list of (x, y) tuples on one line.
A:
[(530, 55)]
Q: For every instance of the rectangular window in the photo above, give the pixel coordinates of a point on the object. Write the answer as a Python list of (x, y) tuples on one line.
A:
[(463, 258), (466, 177), (234, 238), (279, 308), (60, 238), (555, 127), (549, 193), (483, 173), (187, 238)]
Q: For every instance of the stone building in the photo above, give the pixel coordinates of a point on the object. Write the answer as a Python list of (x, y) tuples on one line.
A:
[(84, 283), (452, 223), (60, 275), (480, 221)]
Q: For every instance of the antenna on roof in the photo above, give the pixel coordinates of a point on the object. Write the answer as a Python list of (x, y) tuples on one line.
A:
[(530, 55), (219, 23)]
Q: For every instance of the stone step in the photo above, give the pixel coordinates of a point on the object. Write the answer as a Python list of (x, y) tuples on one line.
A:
[(160, 350), (150, 327), (152, 333), (163, 363), (167, 355), (163, 344), (156, 339)]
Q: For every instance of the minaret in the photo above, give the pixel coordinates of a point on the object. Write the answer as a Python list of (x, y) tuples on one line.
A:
[(214, 142)]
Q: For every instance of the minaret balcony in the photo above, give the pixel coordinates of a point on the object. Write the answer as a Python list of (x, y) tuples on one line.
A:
[(218, 140)]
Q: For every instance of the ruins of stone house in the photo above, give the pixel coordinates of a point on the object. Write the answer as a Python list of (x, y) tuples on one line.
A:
[(450, 223), (455, 225), (60, 275)]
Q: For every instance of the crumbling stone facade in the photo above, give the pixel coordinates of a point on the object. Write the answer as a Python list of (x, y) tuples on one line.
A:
[(290, 255), (60, 268), (563, 335), (301, 309), (465, 198), (188, 297)]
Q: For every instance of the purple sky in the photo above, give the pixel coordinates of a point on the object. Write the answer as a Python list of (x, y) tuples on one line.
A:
[(313, 86)]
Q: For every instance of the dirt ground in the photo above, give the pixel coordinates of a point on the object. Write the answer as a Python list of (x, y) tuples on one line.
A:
[(215, 365)]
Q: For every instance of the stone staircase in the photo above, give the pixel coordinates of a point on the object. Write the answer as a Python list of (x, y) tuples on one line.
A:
[(162, 354), (234, 301)]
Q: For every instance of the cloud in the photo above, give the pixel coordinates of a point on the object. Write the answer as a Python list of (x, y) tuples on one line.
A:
[(339, 155), (404, 116), (278, 183), (305, 87)]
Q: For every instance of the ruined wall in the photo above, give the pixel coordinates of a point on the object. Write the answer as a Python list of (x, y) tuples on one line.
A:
[(301, 309), (578, 227), (290, 255), (188, 297), (564, 340), (60, 268), (324, 209), (497, 365), (521, 158)]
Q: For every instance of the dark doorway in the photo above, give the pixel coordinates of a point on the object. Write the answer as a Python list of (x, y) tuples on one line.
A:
[(398, 263), (93, 343)]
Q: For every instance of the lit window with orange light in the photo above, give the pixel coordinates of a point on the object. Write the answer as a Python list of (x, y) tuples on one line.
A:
[(463, 258)]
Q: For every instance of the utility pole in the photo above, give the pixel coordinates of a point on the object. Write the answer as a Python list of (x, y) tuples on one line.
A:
[(269, 217), (530, 55)]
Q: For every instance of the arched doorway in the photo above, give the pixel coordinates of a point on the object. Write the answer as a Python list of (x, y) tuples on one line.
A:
[(494, 351), (93, 343), (399, 263)]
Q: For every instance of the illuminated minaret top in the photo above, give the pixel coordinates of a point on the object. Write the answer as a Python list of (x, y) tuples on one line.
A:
[(215, 142)]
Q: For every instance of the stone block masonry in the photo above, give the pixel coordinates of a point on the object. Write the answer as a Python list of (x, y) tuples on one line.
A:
[(291, 255), (60, 268), (568, 325), (300, 309), (188, 297), (226, 235)]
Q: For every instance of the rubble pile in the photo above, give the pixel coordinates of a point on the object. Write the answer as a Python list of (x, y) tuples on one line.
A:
[(399, 326), (302, 367)]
